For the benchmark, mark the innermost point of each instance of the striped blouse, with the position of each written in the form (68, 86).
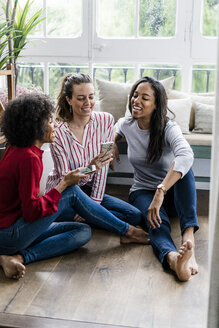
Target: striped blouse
(69, 154)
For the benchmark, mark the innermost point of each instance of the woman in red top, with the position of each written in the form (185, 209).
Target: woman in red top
(34, 228)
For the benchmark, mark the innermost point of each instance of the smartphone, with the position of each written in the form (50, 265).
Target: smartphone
(88, 169)
(107, 147)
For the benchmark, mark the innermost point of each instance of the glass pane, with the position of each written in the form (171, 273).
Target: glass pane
(31, 75)
(157, 18)
(203, 78)
(64, 18)
(116, 73)
(161, 72)
(58, 71)
(115, 18)
(210, 17)
(34, 7)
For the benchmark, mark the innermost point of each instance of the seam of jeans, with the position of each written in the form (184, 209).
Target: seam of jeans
(125, 228)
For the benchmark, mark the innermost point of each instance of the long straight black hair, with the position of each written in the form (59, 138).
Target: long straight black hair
(158, 119)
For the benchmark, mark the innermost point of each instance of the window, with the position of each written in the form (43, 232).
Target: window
(57, 71)
(64, 18)
(210, 17)
(157, 18)
(130, 18)
(123, 13)
(122, 40)
(31, 75)
(203, 78)
(161, 72)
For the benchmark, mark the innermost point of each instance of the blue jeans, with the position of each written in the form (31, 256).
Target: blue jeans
(121, 209)
(180, 200)
(45, 237)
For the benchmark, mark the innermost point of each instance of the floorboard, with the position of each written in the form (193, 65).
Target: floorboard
(105, 284)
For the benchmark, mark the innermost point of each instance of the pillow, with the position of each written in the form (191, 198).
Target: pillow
(175, 94)
(182, 109)
(204, 98)
(113, 95)
(203, 117)
(127, 111)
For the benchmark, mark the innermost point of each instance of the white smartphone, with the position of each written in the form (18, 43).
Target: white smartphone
(107, 147)
(88, 169)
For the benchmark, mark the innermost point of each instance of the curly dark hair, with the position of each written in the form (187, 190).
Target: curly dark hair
(64, 111)
(25, 117)
(158, 119)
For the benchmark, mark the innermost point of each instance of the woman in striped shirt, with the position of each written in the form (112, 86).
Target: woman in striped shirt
(78, 139)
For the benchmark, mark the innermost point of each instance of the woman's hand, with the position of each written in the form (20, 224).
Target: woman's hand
(74, 177)
(71, 178)
(101, 160)
(153, 217)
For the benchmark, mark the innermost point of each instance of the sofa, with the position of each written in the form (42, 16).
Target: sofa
(193, 112)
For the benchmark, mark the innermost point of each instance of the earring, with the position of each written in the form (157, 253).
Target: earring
(70, 109)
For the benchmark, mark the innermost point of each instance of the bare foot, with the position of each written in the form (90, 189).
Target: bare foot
(78, 218)
(13, 266)
(189, 235)
(193, 266)
(135, 235)
(180, 262)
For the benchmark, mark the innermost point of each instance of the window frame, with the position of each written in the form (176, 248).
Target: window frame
(187, 48)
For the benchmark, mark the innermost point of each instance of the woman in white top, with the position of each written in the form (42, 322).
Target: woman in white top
(78, 138)
(164, 184)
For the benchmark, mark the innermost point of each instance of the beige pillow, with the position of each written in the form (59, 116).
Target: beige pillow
(127, 111)
(113, 95)
(209, 100)
(204, 98)
(175, 94)
(182, 109)
(203, 117)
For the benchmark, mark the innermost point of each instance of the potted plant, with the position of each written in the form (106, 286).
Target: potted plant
(5, 33)
(19, 26)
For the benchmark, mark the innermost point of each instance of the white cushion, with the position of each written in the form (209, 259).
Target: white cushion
(204, 98)
(113, 95)
(203, 117)
(182, 109)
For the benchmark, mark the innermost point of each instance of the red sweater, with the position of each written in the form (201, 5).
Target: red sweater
(20, 173)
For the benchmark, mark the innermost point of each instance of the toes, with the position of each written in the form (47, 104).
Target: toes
(194, 271)
(182, 250)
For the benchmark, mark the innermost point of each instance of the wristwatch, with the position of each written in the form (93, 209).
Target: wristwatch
(162, 187)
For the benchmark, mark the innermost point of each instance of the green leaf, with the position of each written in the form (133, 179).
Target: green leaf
(22, 28)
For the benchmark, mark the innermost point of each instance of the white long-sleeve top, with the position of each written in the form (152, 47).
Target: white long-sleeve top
(69, 154)
(175, 149)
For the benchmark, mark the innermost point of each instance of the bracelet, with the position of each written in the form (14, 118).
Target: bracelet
(162, 187)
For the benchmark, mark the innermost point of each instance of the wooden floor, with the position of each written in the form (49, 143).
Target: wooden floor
(105, 284)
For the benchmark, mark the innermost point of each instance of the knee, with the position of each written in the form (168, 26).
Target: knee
(135, 216)
(139, 215)
(85, 233)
